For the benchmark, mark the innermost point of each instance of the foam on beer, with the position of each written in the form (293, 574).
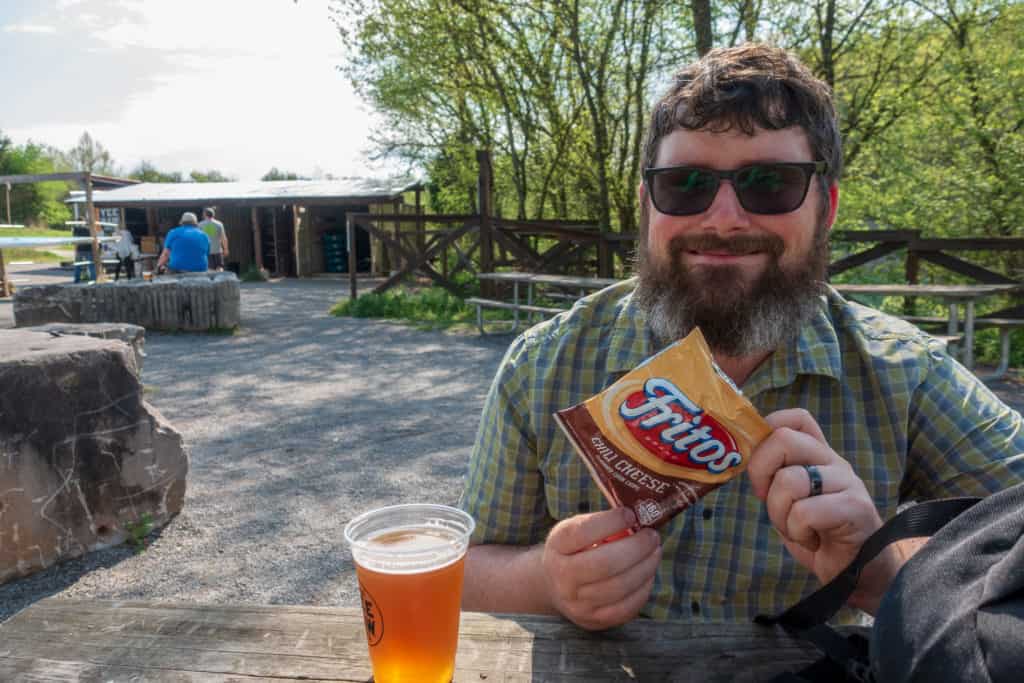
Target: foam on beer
(410, 549)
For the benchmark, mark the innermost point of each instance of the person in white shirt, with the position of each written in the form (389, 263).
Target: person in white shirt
(127, 253)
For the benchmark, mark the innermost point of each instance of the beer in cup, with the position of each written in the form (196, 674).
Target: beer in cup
(409, 561)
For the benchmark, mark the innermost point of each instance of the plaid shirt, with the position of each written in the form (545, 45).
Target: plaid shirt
(913, 423)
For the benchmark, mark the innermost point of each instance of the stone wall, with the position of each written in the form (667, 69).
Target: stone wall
(82, 457)
(193, 302)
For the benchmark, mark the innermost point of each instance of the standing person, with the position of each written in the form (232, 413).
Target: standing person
(214, 230)
(740, 190)
(186, 248)
(127, 253)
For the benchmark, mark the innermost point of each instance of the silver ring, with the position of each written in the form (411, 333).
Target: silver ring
(816, 483)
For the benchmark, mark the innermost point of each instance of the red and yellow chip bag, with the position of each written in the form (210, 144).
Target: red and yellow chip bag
(670, 431)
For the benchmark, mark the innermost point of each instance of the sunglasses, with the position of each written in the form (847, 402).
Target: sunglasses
(770, 188)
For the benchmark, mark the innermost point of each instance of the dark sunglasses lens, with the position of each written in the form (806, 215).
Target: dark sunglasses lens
(771, 188)
(683, 191)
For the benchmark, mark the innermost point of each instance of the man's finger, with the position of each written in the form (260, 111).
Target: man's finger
(579, 533)
(606, 560)
(617, 587)
(792, 484)
(785, 447)
(796, 419)
(841, 516)
(626, 609)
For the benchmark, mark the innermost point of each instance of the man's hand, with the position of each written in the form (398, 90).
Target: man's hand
(600, 585)
(822, 532)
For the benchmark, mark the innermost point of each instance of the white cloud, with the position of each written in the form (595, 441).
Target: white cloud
(29, 28)
(246, 86)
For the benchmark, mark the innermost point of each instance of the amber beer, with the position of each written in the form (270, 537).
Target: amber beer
(409, 561)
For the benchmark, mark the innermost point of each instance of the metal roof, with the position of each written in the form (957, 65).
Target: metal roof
(285, 191)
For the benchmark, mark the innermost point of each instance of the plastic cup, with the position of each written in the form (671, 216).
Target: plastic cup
(409, 561)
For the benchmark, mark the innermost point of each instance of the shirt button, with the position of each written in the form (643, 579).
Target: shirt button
(694, 607)
(707, 513)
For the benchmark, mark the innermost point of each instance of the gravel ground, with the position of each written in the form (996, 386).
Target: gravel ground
(295, 424)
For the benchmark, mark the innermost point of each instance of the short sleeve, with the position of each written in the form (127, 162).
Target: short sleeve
(964, 441)
(504, 489)
(172, 236)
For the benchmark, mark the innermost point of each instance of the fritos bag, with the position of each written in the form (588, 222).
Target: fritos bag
(670, 431)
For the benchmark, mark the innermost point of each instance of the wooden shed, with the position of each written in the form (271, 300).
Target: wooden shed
(293, 228)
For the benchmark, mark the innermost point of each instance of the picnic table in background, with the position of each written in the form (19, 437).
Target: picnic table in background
(75, 639)
(563, 287)
(953, 296)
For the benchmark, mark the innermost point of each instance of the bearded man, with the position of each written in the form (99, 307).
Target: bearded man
(739, 193)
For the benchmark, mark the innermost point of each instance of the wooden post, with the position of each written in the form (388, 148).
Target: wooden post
(7, 191)
(122, 221)
(277, 248)
(911, 268)
(5, 286)
(301, 257)
(421, 235)
(90, 217)
(350, 239)
(483, 194)
(257, 242)
(396, 258)
(152, 225)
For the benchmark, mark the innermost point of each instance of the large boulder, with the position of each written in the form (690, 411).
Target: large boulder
(83, 459)
(132, 335)
(196, 302)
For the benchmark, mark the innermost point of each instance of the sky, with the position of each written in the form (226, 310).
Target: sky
(233, 85)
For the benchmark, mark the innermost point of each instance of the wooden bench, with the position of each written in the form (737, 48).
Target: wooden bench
(1004, 325)
(481, 304)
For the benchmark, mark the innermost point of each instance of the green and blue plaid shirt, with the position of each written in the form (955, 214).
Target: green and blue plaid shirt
(914, 424)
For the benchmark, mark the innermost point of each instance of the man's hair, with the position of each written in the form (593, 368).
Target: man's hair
(208, 212)
(188, 218)
(745, 87)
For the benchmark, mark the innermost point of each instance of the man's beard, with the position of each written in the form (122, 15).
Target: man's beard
(738, 317)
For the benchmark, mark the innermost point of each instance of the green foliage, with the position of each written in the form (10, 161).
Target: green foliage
(211, 176)
(432, 308)
(254, 274)
(147, 172)
(137, 532)
(276, 174)
(89, 155)
(32, 203)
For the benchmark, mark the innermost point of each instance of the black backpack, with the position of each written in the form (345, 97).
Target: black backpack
(955, 611)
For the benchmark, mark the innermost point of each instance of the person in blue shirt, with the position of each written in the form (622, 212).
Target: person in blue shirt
(186, 248)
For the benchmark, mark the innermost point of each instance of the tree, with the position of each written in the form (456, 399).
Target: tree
(89, 155)
(32, 203)
(276, 174)
(211, 176)
(147, 172)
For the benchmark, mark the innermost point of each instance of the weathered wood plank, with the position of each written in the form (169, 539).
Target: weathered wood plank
(86, 640)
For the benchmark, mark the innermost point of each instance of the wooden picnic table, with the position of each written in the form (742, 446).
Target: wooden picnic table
(101, 640)
(952, 295)
(580, 284)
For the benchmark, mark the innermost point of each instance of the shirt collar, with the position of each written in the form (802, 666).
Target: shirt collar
(816, 351)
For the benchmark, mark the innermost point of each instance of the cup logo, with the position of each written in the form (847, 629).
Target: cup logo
(676, 430)
(372, 617)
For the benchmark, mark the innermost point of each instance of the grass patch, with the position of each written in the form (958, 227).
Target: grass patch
(33, 232)
(430, 308)
(30, 254)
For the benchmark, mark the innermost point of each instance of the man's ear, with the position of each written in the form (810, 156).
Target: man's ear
(833, 204)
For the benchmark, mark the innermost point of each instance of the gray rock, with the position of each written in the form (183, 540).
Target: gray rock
(189, 302)
(132, 335)
(82, 457)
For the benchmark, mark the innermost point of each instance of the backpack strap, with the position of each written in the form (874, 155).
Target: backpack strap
(807, 618)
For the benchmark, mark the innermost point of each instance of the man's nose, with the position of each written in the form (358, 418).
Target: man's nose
(726, 212)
